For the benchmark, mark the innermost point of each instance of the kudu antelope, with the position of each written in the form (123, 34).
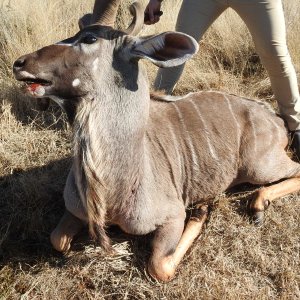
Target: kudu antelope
(139, 162)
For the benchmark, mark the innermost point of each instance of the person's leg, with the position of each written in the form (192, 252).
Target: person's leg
(265, 20)
(195, 16)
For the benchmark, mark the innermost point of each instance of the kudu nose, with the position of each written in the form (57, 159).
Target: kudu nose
(19, 63)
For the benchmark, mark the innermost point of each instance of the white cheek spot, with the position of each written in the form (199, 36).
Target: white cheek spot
(95, 64)
(76, 82)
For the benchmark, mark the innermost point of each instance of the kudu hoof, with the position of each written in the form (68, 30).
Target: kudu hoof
(258, 211)
(258, 218)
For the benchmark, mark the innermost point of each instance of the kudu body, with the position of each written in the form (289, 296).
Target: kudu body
(140, 162)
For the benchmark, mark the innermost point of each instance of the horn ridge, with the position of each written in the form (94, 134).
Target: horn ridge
(137, 11)
(105, 12)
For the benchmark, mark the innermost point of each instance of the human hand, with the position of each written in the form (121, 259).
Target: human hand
(153, 12)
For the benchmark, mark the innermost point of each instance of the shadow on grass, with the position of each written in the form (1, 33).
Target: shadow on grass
(31, 205)
(241, 196)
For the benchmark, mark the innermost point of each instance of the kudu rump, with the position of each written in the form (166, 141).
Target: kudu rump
(140, 162)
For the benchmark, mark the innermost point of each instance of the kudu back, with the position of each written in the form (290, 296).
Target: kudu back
(139, 162)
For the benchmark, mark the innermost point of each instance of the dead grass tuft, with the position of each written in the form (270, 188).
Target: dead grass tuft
(231, 259)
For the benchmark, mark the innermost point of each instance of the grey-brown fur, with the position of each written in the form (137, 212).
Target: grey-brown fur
(140, 163)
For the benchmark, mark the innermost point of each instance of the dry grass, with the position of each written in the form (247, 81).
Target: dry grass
(231, 259)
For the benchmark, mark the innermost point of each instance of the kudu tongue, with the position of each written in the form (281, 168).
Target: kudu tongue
(33, 86)
(36, 89)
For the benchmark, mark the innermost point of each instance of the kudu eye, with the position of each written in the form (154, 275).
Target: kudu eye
(88, 39)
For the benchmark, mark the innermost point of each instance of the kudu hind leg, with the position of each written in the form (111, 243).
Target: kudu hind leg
(266, 195)
(162, 265)
(62, 236)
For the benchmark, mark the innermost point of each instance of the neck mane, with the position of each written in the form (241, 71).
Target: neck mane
(109, 134)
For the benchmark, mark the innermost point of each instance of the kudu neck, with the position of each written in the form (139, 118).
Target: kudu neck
(109, 132)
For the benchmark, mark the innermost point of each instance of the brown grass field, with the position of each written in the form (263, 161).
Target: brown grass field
(232, 259)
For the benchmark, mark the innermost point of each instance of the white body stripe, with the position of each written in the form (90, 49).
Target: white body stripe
(176, 149)
(170, 98)
(239, 131)
(191, 146)
(207, 134)
(253, 132)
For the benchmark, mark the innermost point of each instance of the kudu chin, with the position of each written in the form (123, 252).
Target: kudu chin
(139, 162)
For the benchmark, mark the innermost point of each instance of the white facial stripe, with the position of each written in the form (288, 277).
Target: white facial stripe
(76, 82)
(64, 44)
(27, 75)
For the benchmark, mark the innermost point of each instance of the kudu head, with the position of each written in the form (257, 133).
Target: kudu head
(72, 68)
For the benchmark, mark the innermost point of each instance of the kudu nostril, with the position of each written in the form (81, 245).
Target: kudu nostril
(19, 63)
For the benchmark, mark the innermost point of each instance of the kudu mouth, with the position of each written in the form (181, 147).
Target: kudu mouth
(36, 81)
(34, 85)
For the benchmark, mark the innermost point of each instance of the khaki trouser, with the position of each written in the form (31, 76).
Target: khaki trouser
(265, 21)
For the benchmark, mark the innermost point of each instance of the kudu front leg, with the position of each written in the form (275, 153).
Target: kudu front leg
(62, 236)
(170, 245)
(263, 197)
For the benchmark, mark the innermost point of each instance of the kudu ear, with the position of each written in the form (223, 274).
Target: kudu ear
(165, 50)
(85, 21)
